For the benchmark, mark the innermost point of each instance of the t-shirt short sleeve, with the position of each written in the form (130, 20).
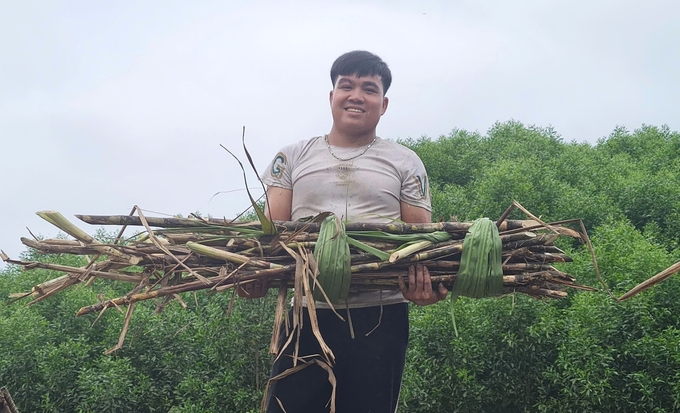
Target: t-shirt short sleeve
(415, 188)
(278, 173)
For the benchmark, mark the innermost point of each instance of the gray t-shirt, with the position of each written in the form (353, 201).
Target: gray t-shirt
(368, 188)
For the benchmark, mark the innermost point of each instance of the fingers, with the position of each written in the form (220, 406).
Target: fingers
(241, 292)
(408, 292)
(245, 290)
(420, 280)
(427, 282)
(412, 278)
(443, 292)
(419, 289)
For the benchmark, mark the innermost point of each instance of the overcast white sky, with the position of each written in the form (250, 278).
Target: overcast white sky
(106, 105)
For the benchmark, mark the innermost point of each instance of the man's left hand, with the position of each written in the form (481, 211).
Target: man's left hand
(419, 290)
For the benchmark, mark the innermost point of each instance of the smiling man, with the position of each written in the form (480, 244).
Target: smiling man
(362, 178)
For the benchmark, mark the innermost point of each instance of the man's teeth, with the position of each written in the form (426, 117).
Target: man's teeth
(355, 110)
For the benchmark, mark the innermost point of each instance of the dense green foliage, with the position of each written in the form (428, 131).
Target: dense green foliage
(193, 360)
(584, 353)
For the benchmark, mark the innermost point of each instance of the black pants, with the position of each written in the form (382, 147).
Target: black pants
(368, 369)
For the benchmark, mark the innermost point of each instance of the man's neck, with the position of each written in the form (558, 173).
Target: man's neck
(337, 138)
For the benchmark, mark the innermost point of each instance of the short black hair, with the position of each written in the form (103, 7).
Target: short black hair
(361, 63)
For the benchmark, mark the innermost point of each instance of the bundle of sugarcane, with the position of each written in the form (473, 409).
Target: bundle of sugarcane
(189, 254)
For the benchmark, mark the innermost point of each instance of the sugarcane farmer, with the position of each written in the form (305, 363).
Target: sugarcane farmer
(362, 178)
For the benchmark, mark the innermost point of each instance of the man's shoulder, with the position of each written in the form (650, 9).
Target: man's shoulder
(397, 149)
(296, 151)
(287, 159)
(301, 144)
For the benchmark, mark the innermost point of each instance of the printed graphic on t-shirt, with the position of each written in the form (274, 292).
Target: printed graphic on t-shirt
(422, 185)
(278, 165)
(344, 174)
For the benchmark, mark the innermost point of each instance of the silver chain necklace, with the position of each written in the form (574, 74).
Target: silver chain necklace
(353, 157)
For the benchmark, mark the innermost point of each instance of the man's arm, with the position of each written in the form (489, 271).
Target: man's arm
(279, 205)
(415, 215)
(278, 208)
(419, 290)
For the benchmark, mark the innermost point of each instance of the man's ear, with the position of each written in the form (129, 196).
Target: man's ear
(330, 98)
(386, 101)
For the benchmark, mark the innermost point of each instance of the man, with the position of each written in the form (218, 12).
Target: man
(361, 178)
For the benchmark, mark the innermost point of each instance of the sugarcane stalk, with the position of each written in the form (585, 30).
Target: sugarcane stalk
(546, 248)
(518, 236)
(409, 250)
(77, 249)
(395, 228)
(58, 220)
(205, 239)
(673, 269)
(57, 241)
(542, 239)
(155, 221)
(28, 265)
(186, 287)
(241, 243)
(455, 247)
(541, 292)
(229, 256)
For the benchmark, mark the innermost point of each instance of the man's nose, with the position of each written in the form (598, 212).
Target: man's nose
(357, 95)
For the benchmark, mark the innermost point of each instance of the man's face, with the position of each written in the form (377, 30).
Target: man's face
(357, 103)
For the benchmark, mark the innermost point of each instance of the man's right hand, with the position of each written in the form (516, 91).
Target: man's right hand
(253, 289)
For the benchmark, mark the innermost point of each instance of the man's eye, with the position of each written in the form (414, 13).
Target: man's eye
(371, 91)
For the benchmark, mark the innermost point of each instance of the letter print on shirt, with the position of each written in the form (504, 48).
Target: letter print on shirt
(422, 185)
(278, 165)
(344, 174)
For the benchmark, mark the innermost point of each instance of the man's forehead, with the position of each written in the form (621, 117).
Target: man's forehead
(377, 79)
